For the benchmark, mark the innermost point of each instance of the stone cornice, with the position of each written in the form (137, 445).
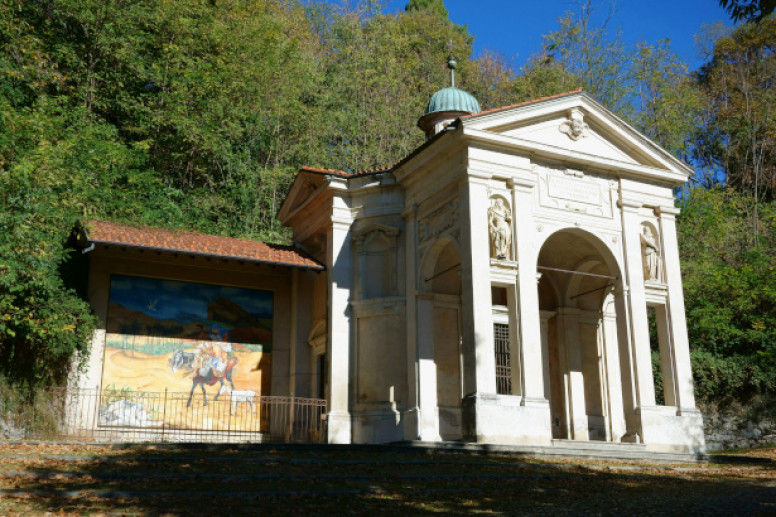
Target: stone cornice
(578, 159)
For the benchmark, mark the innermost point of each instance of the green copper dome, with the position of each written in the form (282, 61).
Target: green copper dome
(452, 99)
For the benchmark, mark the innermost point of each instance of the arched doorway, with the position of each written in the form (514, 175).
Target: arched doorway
(585, 332)
(442, 285)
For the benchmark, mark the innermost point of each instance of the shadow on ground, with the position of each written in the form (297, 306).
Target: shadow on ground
(314, 480)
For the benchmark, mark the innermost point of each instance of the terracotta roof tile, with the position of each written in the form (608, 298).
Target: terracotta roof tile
(344, 174)
(525, 103)
(105, 232)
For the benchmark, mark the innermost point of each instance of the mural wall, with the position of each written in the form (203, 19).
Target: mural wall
(184, 337)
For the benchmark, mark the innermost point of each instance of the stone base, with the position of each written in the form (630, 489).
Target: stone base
(379, 426)
(339, 427)
(665, 428)
(505, 419)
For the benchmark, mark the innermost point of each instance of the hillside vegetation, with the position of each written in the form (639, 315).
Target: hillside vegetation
(194, 114)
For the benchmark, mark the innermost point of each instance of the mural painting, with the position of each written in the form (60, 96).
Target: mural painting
(205, 348)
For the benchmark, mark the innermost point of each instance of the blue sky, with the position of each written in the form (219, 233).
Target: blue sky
(515, 27)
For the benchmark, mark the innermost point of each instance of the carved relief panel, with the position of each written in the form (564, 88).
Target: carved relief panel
(442, 220)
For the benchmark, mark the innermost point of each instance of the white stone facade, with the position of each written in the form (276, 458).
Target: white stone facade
(524, 226)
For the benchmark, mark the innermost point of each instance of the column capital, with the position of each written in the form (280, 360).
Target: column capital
(521, 185)
(667, 211)
(629, 205)
(477, 176)
(410, 212)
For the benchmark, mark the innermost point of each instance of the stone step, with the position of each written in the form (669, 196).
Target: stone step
(568, 449)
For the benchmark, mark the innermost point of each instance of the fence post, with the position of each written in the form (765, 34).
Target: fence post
(164, 413)
(290, 423)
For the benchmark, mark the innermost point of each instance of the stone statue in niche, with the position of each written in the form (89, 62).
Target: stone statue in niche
(650, 255)
(500, 226)
(575, 127)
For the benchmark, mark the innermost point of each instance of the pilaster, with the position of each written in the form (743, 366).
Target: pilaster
(676, 323)
(531, 353)
(338, 264)
(479, 355)
(637, 305)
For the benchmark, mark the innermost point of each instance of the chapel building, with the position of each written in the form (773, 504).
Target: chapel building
(494, 286)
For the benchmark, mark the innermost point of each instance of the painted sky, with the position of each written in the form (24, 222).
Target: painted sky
(515, 27)
(183, 301)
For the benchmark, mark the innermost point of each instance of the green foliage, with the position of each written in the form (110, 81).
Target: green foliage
(723, 379)
(730, 290)
(543, 76)
(749, 10)
(437, 7)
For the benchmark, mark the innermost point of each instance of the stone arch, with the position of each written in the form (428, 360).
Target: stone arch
(439, 266)
(586, 331)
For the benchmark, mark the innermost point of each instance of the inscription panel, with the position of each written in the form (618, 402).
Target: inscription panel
(574, 191)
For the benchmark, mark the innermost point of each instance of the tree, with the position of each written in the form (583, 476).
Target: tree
(589, 52)
(542, 76)
(748, 10)
(667, 102)
(740, 133)
(729, 281)
(436, 7)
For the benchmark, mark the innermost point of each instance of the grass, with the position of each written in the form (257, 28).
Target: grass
(272, 480)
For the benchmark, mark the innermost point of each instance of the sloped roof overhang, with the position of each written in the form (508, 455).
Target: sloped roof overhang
(93, 232)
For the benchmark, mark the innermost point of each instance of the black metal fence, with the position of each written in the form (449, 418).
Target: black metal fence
(82, 414)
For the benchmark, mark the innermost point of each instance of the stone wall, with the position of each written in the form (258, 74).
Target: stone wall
(726, 430)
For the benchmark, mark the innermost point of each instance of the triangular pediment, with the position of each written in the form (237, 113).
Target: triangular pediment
(303, 189)
(576, 123)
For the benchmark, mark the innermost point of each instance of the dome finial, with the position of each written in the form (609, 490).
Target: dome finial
(451, 64)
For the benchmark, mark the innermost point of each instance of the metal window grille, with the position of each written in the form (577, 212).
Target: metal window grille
(503, 363)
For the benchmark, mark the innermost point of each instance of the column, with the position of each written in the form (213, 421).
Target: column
(479, 353)
(666, 355)
(611, 355)
(428, 411)
(637, 304)
(544, 321)
(571, 361)
(514, 340)
(677, 325)
(339, 265)
(528, 296)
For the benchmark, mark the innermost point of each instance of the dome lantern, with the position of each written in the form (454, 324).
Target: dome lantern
(446, 105)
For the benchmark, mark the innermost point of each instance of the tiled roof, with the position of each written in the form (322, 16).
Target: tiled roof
(116, 234)
(525, 103)
(345, 174)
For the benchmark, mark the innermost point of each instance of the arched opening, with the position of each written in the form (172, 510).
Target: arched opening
(588, 366)
(442, 281)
